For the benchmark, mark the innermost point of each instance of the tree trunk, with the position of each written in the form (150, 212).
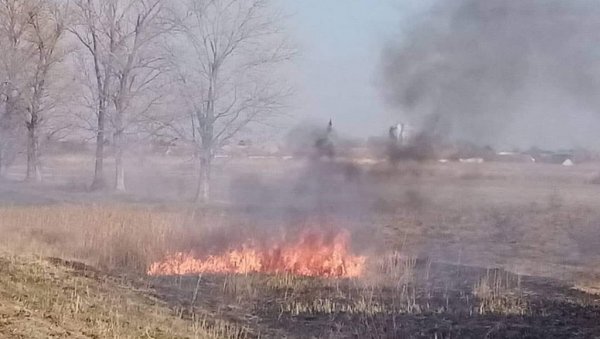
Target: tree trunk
(203, 194)
(119, 169)
(206, 125)
(33, 164)
(99, 180)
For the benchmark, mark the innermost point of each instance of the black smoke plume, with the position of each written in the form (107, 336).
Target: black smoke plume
(499, 71)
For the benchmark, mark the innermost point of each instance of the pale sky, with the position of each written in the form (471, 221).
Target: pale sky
(339, 45)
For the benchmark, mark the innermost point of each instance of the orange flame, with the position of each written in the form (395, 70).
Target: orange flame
(312, 255)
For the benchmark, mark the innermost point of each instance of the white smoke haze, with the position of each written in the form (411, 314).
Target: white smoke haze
(499, 72)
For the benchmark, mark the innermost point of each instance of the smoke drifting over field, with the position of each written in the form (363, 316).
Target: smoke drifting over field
(501, 72)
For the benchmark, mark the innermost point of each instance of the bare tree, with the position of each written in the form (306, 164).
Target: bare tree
(47, 27)
(120, 36)
(225, 61)
(10, 129)
(137, 67)
(31, 32)
(12, 43)
(94, 26)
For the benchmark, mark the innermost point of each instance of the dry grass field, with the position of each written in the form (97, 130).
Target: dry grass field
(52, 298)
(453, 250)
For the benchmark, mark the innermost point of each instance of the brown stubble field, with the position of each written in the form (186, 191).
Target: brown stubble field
(463, 250)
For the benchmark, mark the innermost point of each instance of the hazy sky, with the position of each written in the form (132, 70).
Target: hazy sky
(339, 45)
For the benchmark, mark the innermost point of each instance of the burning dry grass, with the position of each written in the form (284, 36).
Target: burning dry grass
(395, 293)
(152, 240)
(112, 237)
(314, 253)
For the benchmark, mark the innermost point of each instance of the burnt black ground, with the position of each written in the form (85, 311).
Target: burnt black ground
(444, 305)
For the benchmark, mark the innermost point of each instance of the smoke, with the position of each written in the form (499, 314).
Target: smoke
(319, 185)
(500, 72)
(303, 138)
(316, 189)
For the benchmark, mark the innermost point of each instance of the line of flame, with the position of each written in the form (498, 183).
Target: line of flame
(313, 255)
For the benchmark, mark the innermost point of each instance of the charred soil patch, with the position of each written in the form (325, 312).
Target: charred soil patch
(407, 298)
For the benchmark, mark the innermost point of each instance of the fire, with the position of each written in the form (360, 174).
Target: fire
(313, 254)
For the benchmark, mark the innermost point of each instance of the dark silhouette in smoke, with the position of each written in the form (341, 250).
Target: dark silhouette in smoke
(473, 69)
(324, 145)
